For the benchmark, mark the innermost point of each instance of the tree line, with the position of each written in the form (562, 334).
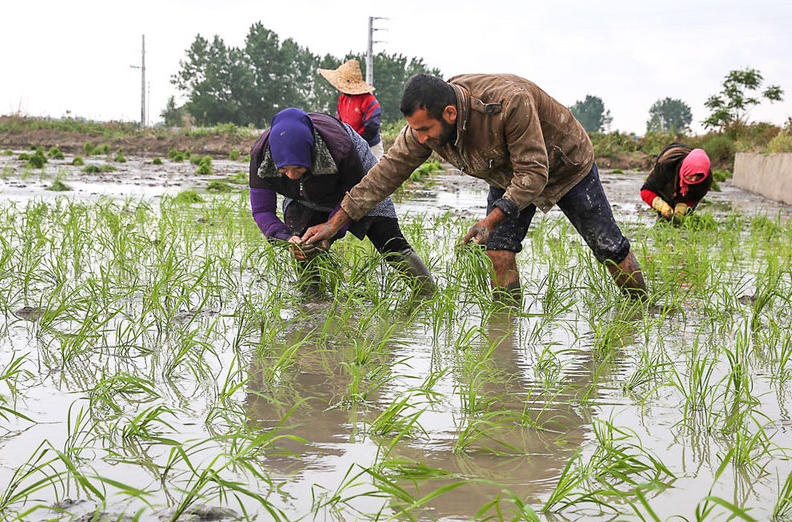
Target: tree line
(250, 84)
(740, 91)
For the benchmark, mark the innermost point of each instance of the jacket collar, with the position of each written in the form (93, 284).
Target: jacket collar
(463, 109)
(322, 162)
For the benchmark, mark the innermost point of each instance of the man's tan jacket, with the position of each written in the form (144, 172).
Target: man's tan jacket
(509, 132)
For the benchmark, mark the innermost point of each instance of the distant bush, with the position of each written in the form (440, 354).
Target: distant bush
(234, 155)
(55, 153)
(156, 161)
(782, 142)
(204, 166)
(720, 148)
(78, 161)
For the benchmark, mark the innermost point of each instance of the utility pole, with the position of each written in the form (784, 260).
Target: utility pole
(142, 68)
(143, 82)
(370, 49)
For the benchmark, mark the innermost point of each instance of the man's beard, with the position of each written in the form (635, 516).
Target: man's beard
(448, 133)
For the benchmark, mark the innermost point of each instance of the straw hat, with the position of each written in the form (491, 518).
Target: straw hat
(347, 78)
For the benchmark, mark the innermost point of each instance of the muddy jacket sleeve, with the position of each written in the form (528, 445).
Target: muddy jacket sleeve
(384, 178)
(526, 146)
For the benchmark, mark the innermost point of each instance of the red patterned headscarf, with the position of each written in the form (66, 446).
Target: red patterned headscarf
(694, 169)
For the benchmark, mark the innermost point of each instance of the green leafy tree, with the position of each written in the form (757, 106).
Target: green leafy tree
(729, 108)
(172, 115)
(249, 85)
(591, 113)
(668, 114)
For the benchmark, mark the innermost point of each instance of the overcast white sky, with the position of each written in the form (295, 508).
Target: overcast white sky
(75, 56)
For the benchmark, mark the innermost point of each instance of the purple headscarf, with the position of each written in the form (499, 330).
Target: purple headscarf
(291, 138)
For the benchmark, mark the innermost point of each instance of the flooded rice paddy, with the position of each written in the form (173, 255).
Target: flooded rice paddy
(160, 361)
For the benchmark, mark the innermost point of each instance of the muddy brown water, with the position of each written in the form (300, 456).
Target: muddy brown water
(329, 436)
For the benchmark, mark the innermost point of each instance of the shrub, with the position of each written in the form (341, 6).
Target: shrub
(78, 161)
(156, 161)
(234, 155)
(204, 166)
(119, 158)
(102, 149)
(781, 143)
(720, 149)
(89, 149)
(55, 153)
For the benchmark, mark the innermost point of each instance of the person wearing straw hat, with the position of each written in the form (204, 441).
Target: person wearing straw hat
(529, 148)
(679, 180)
(357, 107)
(313, 160)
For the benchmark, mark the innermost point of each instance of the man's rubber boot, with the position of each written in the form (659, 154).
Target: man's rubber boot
(410, 263)
(628, 277)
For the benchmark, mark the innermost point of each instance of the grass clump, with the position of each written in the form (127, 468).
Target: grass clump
(204, 166)
(218, 185)
(96, 169)
(58, 186)
(55, 153)
(8, 153)
(178, 156)
(781, 143)
(187, 197)
(78, 161)
(156, 161)
(119, 158)
(234, 155)
(240, 178)
(36, 160)
(424, 171)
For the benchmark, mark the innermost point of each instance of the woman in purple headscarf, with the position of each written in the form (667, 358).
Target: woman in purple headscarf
(313, 160)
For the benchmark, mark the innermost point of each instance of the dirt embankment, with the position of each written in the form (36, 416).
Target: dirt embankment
(142, 145)
(150, 144)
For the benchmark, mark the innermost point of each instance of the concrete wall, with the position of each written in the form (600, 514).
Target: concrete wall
(769, 175)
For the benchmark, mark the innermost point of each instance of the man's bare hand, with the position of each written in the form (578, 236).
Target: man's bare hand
(300, 250)
(318, 233)
(479, 233)
(326, 231)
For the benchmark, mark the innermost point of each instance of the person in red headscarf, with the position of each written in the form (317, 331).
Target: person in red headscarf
(681, 177)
